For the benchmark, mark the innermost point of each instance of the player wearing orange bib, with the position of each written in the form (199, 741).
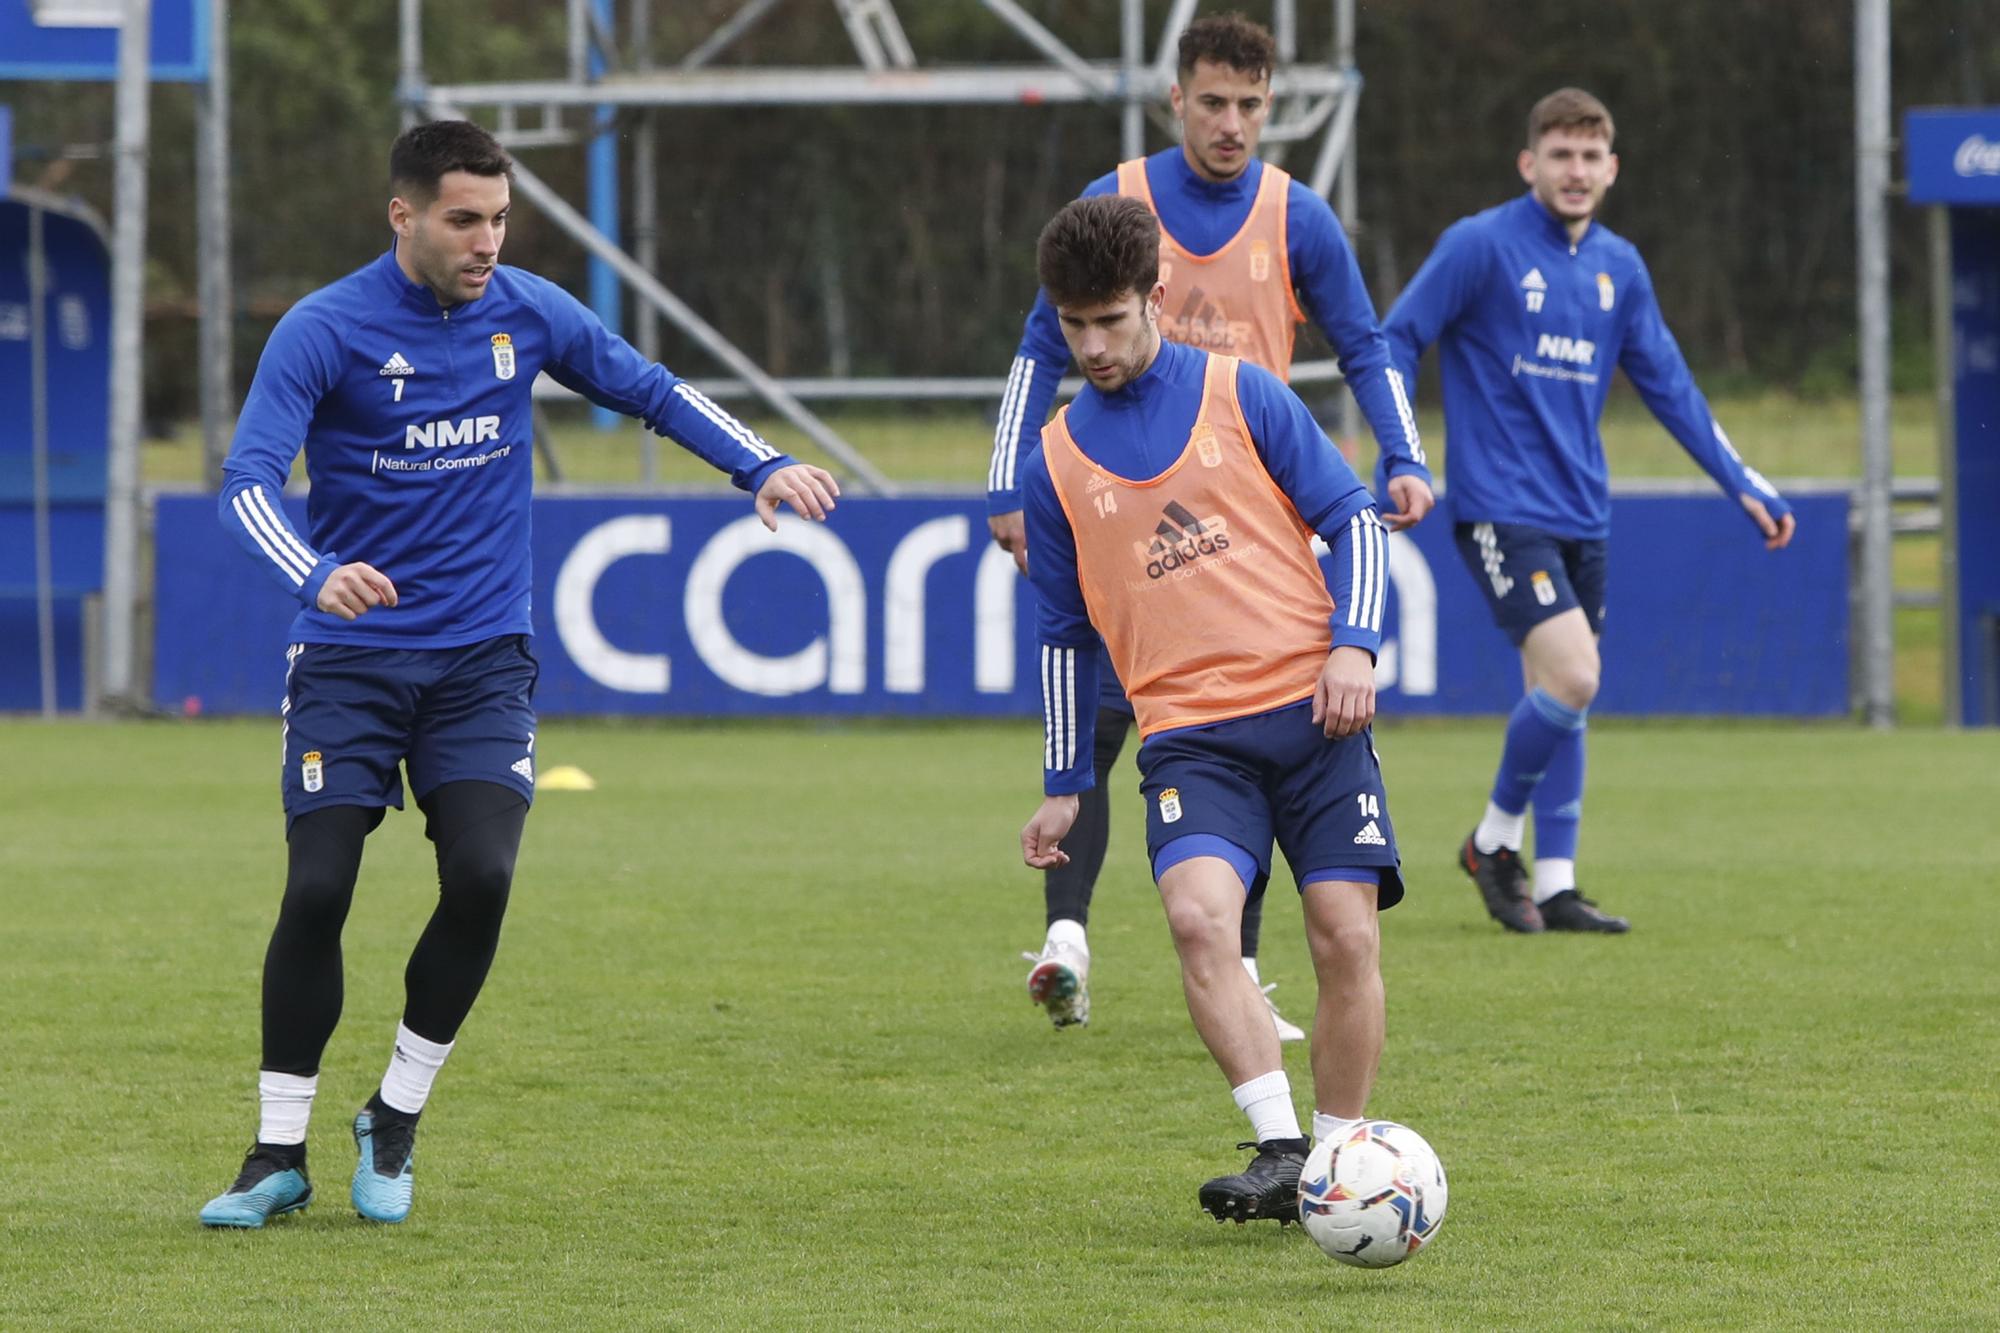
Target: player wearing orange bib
(1246, 255)
(1171, 510)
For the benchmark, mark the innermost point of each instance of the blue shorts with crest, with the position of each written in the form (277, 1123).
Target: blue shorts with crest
(353, 714)
(1529, 575)
(1273, 777)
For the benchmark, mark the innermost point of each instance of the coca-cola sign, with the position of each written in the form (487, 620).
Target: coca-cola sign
(1977, 157)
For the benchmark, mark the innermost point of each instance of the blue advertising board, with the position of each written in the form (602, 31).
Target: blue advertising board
(76, 319)
(42, 50)
(1953, 156)
(688, 607)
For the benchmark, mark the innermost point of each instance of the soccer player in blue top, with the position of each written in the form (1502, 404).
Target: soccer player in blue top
(1246, 254)
(1532, 305)
(408, 384)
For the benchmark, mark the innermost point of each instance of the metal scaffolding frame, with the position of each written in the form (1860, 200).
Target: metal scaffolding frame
(1314, 100)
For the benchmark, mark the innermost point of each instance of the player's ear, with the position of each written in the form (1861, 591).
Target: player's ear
(1611, 177)
(1176, 99)
(1156, 301)
(402, 218)
(1525, 164)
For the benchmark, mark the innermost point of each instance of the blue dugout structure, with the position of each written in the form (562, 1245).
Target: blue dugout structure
(52, 457)
(1953, 162)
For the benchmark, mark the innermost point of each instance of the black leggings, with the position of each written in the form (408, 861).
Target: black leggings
(1066, 890)
(476, 827)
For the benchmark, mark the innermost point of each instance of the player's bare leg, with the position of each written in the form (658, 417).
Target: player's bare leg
(1346, 943)
(1204, 901)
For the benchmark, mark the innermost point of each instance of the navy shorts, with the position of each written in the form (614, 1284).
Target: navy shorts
(1529, 575)
(353, 714)
(1273, 776)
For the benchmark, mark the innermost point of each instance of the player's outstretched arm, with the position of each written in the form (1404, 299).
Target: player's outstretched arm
(1049, 826)
(354, 589)
(807, 490)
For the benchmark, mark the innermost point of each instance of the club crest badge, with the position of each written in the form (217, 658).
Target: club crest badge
(1544, 587)
(1606, 293)
(1260, 261)
(1170, 805)
(1206, 447)
(503, 357)
(312, 771)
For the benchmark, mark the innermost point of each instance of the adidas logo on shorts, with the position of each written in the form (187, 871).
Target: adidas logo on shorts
(526, 768)
(1370, 836)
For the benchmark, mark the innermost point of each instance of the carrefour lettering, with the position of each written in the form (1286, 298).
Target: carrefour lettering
(836, 658)
(446, 434)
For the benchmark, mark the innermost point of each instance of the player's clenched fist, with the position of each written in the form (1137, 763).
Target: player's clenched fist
(353, 589)
(808, 490)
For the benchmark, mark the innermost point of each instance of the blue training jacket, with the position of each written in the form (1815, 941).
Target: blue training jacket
(1529, 328)
(1203, 216)
(416, 424)
(1138, 432)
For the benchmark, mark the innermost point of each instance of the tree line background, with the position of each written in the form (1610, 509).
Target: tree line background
(900, 240)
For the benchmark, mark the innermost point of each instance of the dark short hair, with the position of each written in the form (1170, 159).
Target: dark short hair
(422, 155)
(1232, 40)
(1569, 109)
(1098, 249)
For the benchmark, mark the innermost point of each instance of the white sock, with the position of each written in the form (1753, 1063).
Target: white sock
(1553, 875)
(407, 1085)
(1267, 1100)
(286, 1102)
(1250, 966)
(1499, 829)
(1066, 931)
(1331, 1126)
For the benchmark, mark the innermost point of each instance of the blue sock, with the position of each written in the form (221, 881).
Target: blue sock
(1559, 800)
(1538, 726)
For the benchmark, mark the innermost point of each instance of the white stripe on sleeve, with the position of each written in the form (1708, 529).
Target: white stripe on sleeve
(1366, 589)
(1007, 435)
(1058, 708)
(724, 422)
(281, 557)
(285, 535)
(1407, 416)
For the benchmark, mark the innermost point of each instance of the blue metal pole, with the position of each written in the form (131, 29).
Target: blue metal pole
(606, 297)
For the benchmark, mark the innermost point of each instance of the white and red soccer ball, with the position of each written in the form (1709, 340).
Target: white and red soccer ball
(1374, 1196)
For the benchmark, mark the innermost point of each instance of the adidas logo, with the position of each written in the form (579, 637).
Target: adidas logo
(1181, 539)
(1098, 482)
(396, 365)
(526, 768)
(1370, 836)
(1534, 282)
(1178, 526)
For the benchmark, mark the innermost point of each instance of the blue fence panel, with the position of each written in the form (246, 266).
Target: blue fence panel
(686, 606)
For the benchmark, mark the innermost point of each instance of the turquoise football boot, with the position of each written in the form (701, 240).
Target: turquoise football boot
(266, 1187)
(382, 1182)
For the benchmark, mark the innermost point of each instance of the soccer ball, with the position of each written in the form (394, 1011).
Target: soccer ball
(1373, 1197)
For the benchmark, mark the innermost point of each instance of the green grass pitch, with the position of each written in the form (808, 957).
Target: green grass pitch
(756, 1053)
